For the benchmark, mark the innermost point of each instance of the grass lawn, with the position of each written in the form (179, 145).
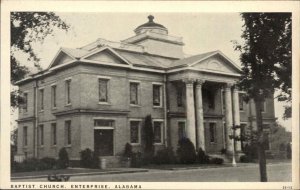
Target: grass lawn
(58, 171)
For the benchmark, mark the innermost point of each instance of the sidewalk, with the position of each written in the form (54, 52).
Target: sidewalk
(74, 172)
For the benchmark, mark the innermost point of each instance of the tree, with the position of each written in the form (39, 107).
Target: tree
(266, 65)
(28, 28)
(149, 139)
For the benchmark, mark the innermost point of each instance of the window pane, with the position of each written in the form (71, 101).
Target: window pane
(133, 93)
(212, 131)
(25, 102)
(53, 96)
(68, 91)
(134, 131)
(179, 96)
(181, 130)
(157, 132)
(25, 135)
(156, 95)
(103, 90)
(41, 134)
(42, 98)
(68, 132)
(53, 133)
(103, 123)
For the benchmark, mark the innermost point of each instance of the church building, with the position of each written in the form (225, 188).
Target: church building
(97, 96)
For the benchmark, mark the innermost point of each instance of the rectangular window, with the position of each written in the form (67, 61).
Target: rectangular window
(264, 106)
(179, 96)
(103, 90)
(212, 132)
(53, 133)
(157, 95)
(42, 99)
(25, 136)
(211, 99)
(181, 130)
(135, 132)
(25, 104)
(68, 137)
(68, 92)
(134, 93)
(157, 129)
(103, 123)
(41, 135)
(53, 95)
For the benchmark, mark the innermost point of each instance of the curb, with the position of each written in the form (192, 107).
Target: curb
(83, 174)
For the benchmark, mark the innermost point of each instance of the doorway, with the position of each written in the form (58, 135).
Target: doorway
(103, 142)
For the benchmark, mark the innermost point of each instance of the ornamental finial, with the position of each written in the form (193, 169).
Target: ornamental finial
(151, 18)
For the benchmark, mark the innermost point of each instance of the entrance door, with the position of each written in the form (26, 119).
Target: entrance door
(103, 139)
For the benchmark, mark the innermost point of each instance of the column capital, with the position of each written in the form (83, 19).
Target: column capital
(200, 82)
(189, 81)
(228, 86)
(235, 88)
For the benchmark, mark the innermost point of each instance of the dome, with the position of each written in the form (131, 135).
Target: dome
(151, 26)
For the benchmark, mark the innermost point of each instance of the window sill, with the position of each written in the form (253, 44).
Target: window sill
(104, 103)
(41, 111)
(68, 146)
(54, 108)
(41, 146)
(157, 107)
(135, 105)
(53, 146)
(67, 105)
(158, 144)
(135, 144)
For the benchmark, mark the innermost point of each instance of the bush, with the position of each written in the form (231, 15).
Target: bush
(88, 159)
(48, 163)
(250, 151)
(63, 158)
(218, 161)
(288, 151)
(245, 159)
(128, 150)
(223, 151)
(165, 156)
(202, 158)
(186, 151)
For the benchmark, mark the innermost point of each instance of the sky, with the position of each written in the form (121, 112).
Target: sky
(201, 32)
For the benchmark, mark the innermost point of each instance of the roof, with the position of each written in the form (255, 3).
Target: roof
(192, 59)
(76, 53)
(151, 23)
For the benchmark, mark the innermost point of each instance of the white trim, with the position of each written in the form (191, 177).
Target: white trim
(157, 83)
(61, 65)
(139, 131)
(104, 128)
(103, 77)
(69, 78)
(217, 52)
(102, 49)
(202, 70)
(147, 69)
(162, 126)
(53, 84)
(57, 54)
(104, 63)
(134, 81)
(104, 118)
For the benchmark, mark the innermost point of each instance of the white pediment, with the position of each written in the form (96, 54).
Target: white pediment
(61, 58)
(105, 56)
(216, 63)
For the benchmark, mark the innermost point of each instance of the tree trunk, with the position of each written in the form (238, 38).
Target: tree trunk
(260, 140)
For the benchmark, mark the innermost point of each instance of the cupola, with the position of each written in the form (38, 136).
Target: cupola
(151, 26)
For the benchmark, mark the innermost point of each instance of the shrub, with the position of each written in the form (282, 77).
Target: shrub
(128, 150)
(245, 159)
(202, 158)
(63, 158)
(48, 163)
(186, 151)
(218, 161)
(250, 151)
(165, 156)
(223, 151)
(88, 159)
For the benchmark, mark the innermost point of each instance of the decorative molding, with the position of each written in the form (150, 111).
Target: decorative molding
(189, 81)
(25, 119)
(91, 111)
(199, 83)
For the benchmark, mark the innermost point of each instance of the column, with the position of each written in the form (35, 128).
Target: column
(190, 110)
(199, 114)
(236, 116)
(228, 117)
